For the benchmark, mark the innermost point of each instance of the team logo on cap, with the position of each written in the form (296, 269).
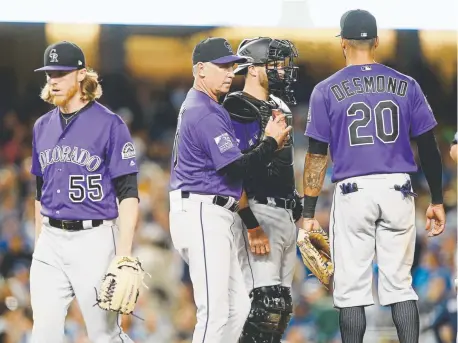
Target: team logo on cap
(53, 56)
(228, 46)
(128, 151)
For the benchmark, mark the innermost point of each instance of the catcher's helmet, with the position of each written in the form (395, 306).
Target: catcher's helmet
(264, 50)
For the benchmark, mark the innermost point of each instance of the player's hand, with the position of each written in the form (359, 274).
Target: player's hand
(309, 224)
(454, 152)
(435, 219)
(277, 129)
(258, 240)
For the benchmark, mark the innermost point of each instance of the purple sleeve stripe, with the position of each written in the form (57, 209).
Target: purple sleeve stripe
(226, 163)
(422, 131)
(316, 136)
(36, 173)
(114, 176)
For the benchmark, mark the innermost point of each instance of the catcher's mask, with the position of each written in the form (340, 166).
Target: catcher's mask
(274, 54)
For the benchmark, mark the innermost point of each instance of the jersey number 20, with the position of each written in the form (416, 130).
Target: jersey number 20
(380, 129)
(81, 187)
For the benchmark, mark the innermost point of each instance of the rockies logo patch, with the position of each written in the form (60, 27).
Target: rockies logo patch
(128, 151)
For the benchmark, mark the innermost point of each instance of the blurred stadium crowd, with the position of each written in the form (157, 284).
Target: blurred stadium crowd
(166, 308)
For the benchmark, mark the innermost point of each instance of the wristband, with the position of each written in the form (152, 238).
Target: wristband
(437, 197)
(309, 206)
(248, 218)
(271, 142)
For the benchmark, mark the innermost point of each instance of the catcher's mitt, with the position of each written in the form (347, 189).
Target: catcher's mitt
(121, 284)
(315, 251)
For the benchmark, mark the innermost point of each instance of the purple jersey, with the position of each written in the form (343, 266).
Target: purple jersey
(247, 134)
(204, 144)
(79, 163)
(367, 114)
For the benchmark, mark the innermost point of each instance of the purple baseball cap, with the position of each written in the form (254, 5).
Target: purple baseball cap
(63, 56)
(215, 50)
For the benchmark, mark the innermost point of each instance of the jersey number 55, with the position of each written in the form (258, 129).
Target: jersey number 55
(81, 187)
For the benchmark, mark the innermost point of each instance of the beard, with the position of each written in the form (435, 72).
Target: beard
(264, 81)
(63, 100)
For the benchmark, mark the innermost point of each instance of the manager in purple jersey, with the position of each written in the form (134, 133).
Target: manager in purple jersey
(367, 114)
(207, 170)
(84, 161)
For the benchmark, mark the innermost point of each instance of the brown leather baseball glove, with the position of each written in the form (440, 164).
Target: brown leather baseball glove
(316, 253)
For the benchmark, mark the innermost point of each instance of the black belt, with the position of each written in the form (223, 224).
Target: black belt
(287, 204)
(219, 200)
(72, 225)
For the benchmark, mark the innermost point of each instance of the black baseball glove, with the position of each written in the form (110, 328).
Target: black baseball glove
(297, 210)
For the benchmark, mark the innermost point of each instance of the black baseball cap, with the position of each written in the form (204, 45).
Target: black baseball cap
(358, 24)
(215, 50)
(63, 56)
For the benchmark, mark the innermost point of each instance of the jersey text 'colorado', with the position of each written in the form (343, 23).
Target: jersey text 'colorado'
(78, 163)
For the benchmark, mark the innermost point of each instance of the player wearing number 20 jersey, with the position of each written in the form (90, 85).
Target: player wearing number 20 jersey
(367, 114)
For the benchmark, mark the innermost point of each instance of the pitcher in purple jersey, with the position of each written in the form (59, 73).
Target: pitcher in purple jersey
(206, 184)
(84, 161)
(367, 114)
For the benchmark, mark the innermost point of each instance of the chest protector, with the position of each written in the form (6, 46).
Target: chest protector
(249, 118)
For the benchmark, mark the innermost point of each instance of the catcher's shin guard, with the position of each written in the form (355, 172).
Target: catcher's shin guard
(286, 315)
(271, 309)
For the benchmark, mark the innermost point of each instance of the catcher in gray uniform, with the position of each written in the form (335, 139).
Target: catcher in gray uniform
(270, 205)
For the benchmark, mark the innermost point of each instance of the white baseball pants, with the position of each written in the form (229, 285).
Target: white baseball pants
(277, 267)
(375, 222)
(66, 265)
(203, 235)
